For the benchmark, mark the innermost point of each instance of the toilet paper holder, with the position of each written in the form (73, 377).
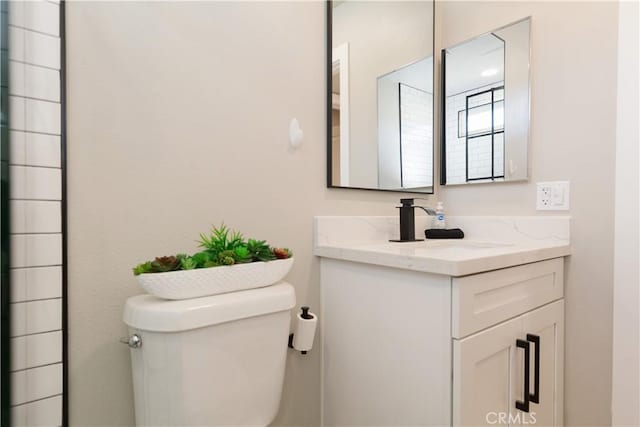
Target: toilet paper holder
(302, 339)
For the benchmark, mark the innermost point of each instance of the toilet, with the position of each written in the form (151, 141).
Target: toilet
(211, 361)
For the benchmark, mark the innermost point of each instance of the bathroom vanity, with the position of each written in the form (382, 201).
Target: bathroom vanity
(442, 332)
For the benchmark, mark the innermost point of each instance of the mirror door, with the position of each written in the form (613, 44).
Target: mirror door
(380, 95)
(485, 107)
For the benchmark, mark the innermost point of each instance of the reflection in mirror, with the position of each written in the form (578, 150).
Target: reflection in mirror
(380, 118)
(486, 107)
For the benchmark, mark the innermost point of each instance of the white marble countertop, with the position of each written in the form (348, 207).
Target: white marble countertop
(490, 243)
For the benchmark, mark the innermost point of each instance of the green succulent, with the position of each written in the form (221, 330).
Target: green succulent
(201, 259)
(188, 263)
(241, 254)
(226, 257)
(259, 250)
(142, 268)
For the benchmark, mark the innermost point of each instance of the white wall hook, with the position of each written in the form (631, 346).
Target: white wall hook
(296, 135)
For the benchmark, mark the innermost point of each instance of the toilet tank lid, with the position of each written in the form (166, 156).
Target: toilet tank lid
(149, 313)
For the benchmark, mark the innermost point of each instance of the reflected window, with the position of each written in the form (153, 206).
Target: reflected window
(481, 124)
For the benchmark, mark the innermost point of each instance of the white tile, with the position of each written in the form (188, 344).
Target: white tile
(36, 383)
(17, 113)
(34, 48)
(42, 116)
(42, 16)
(33, 81)
(18, 319)
(43, 150)
(34, 216)
(36, 283)
(18, 218)
(42, 49)
(46, 412)
(16, 13)
(16, 43)
(16, 78)
(17, 147)
(19, 416)
(42, 83)
(36, 316)
(34, 149)
(35, 183)
(31, 351)
(36, 250)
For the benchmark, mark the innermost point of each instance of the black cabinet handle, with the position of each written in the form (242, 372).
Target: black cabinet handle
(535, 397)
(524, 405)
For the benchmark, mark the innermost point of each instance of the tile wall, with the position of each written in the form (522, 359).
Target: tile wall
(416, 130)
(36, 215)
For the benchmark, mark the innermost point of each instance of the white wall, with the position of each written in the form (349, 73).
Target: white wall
(626, 302)
(178, 118)
(573, 119)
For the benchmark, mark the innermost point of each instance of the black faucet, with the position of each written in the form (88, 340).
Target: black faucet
(408, 220)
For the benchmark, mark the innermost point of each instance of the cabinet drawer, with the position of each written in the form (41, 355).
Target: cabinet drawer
(483, 300)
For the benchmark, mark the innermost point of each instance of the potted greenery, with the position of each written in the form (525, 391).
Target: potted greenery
(227, 263)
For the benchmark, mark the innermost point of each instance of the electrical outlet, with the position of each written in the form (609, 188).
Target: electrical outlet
(553, 196)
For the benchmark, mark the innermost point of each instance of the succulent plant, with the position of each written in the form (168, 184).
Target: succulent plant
(221, 239)
(226, 257)
(142, 268)
(282, 253)
(259, 250)
(165, 263)
(201, 259)
(188, 263)
(241, 254)
(221, 246)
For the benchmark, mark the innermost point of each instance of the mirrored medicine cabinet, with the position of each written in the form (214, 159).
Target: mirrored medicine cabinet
(380, 100)
(380, 95)
(485, 107)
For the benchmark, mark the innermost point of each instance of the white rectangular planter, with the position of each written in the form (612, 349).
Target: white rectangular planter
(201, 282)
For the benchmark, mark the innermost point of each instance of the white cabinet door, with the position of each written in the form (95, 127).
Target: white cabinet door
(486, 375)
(489, 374)
(546, 326)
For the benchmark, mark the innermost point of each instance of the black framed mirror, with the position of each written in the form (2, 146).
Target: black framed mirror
(485, 107)
(380, 103)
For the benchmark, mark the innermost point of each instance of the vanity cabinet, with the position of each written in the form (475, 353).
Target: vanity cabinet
(489, 371)
(404, 347)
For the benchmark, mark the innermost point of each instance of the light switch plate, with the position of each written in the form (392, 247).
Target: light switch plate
(553, 196)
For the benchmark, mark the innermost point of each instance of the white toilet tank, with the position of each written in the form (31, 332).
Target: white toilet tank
(212, 361)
